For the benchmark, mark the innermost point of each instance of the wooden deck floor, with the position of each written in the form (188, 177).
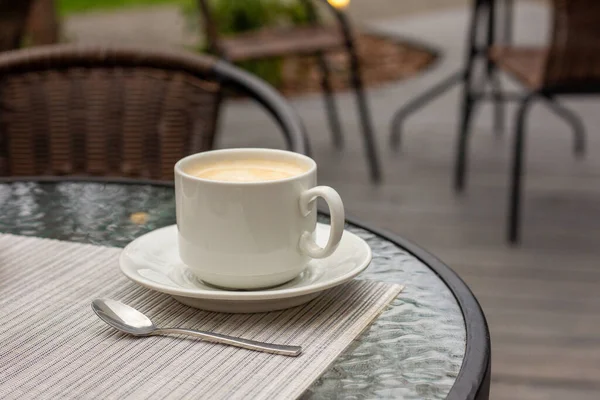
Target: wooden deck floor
(541, 298)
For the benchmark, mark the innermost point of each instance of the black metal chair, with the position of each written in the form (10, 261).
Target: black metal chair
(570, 65)
(484, 18)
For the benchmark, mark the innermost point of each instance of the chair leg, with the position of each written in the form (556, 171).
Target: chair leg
(492, 74)
(516, 177)
(420, 101)
(469, 100)
(365, 116)
(508, 22)
(332, 113)
(467, 108)
(499, 108)
(572, 119)
(468, 105)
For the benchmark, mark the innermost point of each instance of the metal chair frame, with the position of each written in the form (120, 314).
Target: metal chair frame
(484, 17)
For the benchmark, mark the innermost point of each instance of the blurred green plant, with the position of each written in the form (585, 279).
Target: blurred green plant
(66, 7)
(231, 17)
(237, 16)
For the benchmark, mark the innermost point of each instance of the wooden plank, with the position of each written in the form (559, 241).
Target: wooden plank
(563, 271)
(567, 365)
(511, 301)
(501, 258)
(509, 338)
(501, 390)
(543, 323)
(535, 289)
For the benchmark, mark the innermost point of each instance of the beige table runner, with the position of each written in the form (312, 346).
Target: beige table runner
(53, 346)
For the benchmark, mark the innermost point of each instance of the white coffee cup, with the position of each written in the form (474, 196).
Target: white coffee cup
(251, 235)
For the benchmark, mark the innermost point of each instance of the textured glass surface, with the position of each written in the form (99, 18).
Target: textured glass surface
(413, 351)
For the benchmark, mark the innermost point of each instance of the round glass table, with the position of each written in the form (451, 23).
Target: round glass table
(431, 343)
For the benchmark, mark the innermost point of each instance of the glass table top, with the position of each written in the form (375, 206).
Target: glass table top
(413, 351)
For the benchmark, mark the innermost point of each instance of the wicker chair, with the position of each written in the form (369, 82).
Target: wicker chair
(315, 39)
(68, 110)
(569, 65)
(13, 22)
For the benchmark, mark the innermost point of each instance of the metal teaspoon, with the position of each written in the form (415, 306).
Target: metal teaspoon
(129, 320)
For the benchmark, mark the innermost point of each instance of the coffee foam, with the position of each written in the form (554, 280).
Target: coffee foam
(248, 170)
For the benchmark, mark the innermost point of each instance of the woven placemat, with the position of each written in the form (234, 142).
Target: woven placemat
(53, 346)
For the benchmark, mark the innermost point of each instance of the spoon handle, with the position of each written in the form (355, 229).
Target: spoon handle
(284, 350)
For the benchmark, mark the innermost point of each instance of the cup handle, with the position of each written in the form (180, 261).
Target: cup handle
(336, 209)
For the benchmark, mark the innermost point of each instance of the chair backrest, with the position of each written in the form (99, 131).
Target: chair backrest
(574, 53)
(13, 21)
(67, 110)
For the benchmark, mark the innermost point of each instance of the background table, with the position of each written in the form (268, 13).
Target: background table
(433, 341)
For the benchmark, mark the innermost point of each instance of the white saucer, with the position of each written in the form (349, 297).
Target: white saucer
(152, 260)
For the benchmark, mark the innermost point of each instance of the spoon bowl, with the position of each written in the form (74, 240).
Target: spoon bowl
(123, 317)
